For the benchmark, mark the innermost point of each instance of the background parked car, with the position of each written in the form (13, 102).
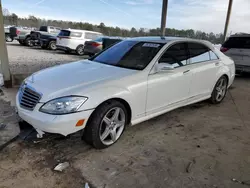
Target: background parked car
(43, 32)
(238, 48)
(97, 45)
(48, 42)
(70, 40)
(23, 34)
(8, 36)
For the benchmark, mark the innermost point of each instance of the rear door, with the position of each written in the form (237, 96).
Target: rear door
(70, 39)
(62, 38)
(204, 65)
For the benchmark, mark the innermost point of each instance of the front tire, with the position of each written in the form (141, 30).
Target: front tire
(106, 124)
(220, 90)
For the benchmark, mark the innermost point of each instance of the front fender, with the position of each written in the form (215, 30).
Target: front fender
(98, 96)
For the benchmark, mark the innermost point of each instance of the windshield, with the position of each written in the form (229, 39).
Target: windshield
(129, 54)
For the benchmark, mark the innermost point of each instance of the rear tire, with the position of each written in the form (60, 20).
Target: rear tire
(80, 50)
(220, 90)
(52, 45)
(28, 42)
(95, 130)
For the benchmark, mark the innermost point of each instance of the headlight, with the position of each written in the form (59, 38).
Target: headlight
(64, 105)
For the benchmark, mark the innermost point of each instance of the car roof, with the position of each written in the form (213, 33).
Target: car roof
(163, 40)
(78, 30)
(240, 35)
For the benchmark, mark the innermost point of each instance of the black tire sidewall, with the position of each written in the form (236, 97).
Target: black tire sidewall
(78, 47)
(91, 132)
(214, 93)
(27, 40)
(50, 44)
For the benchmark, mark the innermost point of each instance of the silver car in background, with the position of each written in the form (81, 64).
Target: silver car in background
(238, 48)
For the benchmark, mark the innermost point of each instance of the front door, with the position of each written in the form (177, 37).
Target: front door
(167, 88)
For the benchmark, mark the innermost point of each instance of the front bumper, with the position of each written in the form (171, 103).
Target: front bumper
(60, 124)
(91, 50)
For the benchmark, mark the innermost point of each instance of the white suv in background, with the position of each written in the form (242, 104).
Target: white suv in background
(70, 40)
(238, 48)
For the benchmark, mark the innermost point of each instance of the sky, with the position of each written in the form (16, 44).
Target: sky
(204, 15)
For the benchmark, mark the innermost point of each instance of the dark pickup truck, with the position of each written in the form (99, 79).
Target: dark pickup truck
(45, 37)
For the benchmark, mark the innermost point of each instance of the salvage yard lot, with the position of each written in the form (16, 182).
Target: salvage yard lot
(25, 59)
(198, 146)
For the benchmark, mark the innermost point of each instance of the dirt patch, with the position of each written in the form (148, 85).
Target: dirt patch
(201, 145)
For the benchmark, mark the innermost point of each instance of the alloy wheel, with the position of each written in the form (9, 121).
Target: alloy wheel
(221, 89)
(80, 50)
(112, 126)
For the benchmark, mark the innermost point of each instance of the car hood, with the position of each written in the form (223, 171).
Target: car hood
(73, 78)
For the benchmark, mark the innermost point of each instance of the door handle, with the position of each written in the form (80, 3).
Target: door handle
(185, 72)
(217, 64)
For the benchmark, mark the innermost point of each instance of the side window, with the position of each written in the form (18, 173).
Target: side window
(198, 53)
(176, 55)
(213, 56)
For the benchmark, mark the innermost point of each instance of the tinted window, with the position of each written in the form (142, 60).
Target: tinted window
(75, 34)
(237, 42)
(176, 55)
(43, 28)
(129, 54)
(213, 56)
(198, 52)
(91, 36)
(64, 33)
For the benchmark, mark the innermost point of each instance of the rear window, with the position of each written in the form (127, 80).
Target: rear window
(237, 42)
(66, 33)
(91, 36)
(43, 28)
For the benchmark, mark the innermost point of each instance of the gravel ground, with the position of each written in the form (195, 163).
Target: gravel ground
(198, 146)
(26, 60)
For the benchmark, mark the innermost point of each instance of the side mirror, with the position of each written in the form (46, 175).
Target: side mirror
(161, 67)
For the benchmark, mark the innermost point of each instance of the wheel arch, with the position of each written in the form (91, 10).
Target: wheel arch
(123, 101)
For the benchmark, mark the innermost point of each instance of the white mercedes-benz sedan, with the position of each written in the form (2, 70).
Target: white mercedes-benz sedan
(128, 83)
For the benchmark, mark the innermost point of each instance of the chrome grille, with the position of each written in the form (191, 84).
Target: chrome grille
(28, 98)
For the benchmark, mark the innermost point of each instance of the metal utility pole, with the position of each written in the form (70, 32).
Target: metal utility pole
(227, 19)
(4, 61)
(164, 17)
